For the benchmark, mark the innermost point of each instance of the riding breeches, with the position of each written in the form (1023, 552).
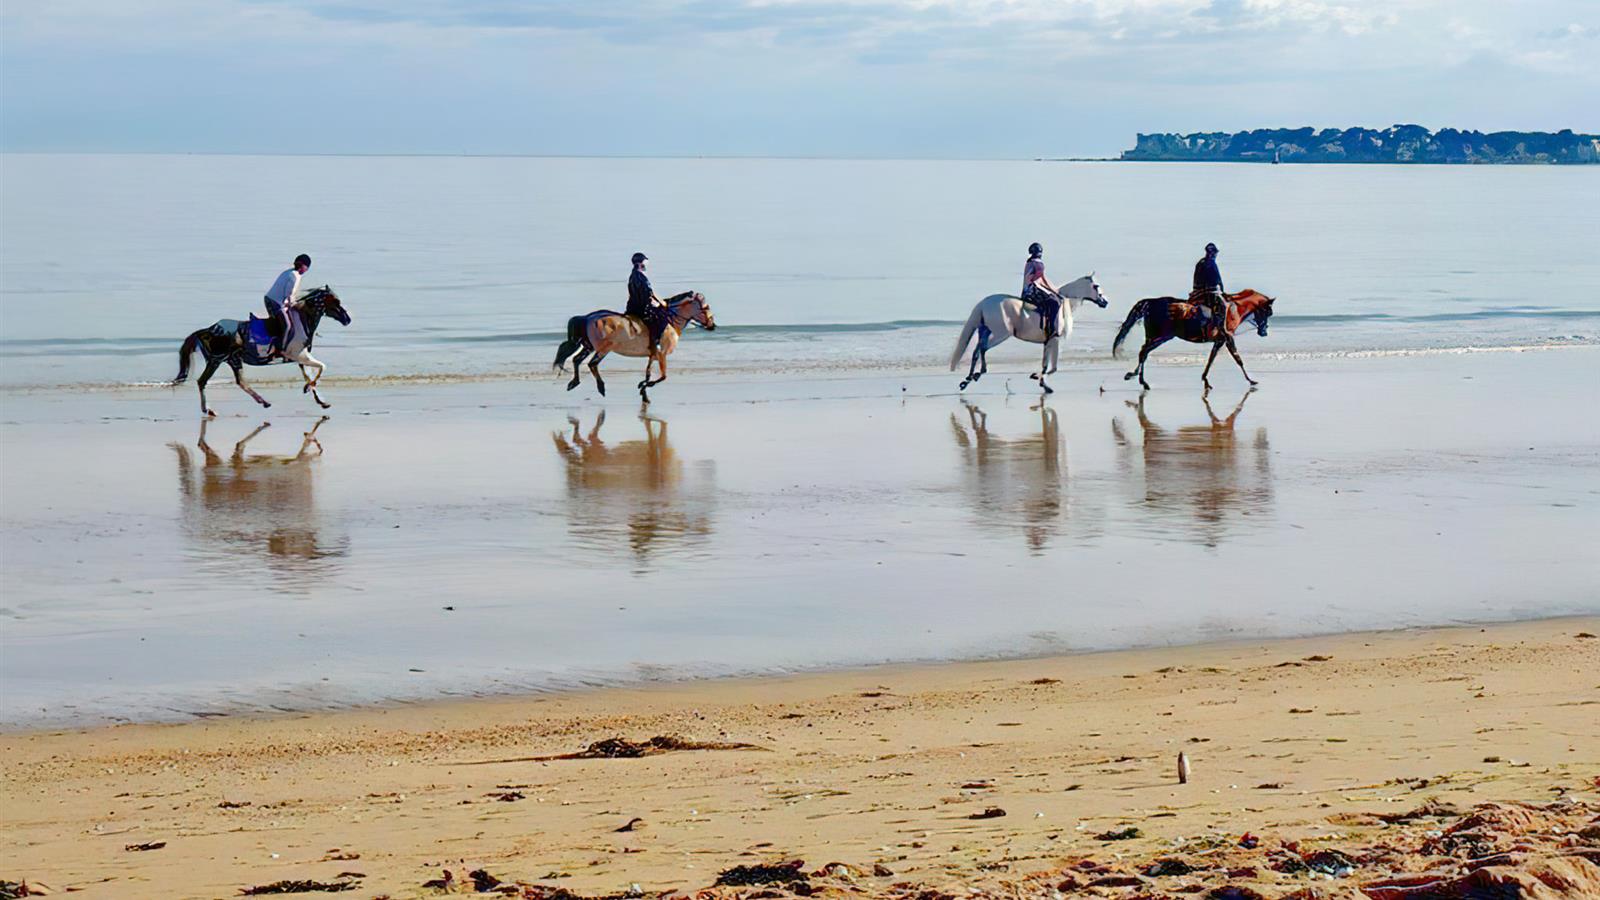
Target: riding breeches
(1214, 302)
(1049, 307)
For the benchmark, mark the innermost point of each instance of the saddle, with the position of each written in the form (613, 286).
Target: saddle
(259, 333)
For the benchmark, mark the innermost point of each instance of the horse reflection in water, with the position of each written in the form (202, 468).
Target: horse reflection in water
(635, 493)
(1015, 482)
(256, 505)
(1205, 476)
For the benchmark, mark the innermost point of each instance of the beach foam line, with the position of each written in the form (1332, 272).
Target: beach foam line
(833, 367)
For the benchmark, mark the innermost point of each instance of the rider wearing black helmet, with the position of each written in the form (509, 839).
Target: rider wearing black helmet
(643, 303)
(1037, 290)
(1208, 287)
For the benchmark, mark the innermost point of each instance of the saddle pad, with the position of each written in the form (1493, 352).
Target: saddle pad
(258, 332)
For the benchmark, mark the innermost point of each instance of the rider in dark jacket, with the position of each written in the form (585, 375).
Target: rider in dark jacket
(642, 301)
(1208, 286)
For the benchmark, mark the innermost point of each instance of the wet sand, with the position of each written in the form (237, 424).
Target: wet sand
(507, 537)
(894, 774)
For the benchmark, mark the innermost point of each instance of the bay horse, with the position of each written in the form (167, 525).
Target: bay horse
(1166, 318)
(604, 331)
(1001, 316)
(246, 343)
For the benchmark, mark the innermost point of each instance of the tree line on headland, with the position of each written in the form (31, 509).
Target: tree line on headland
(1397, 144)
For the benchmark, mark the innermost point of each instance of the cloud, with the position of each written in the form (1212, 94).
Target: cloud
(873, 77)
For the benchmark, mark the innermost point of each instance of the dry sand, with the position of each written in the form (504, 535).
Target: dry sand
(889, 772)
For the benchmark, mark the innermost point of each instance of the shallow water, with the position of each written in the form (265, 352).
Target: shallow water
(470, 266)
(506, 536)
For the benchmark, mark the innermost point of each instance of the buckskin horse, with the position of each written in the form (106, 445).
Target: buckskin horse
(1166, 318)
(1001, 316)
(603, 332)
(247, 343)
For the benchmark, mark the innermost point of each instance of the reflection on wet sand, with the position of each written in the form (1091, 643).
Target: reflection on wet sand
(1015, 482)
(636, 493)
(246, 507)
(1204, 477)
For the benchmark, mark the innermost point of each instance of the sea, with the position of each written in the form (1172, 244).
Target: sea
(469, 267)
(810, 489)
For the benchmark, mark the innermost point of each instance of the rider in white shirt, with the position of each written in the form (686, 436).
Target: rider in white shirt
(278, 298)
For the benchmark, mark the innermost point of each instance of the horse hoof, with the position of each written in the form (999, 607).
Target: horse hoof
(1047, 388)
(266, 404)
(1128, 377)
(571, 385)
(324, 405)
(601, 388)
(964, 385)
(209, 413)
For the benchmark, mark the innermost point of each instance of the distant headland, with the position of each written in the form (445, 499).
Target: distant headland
(1397, 144)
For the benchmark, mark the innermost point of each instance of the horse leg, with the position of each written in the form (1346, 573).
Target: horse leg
(577, 367)
(980, 355)
(594, 369)
(306, 359)
(649, 360)
(1144, 354)
(211, 368)
(1235, 351)
(238, 378)
(1205, 376)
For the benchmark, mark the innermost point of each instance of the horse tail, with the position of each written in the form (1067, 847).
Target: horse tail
(1134, 315)
(570, 346)
(187, 350)
(973, 321)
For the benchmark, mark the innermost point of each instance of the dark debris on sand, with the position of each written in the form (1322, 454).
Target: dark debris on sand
(1504, 851)
(302, 886)
(622, 748)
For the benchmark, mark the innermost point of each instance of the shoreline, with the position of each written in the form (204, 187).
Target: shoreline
(591, 687)
(893, 767)
(1011, 361)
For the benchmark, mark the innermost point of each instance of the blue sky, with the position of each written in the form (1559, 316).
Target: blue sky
(896, 78)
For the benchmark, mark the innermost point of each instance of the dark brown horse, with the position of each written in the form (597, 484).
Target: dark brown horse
(1166, 318)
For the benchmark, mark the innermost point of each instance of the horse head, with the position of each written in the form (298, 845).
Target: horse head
(1262, 310)
(694, 308)
(1086, 288)
(319, 302)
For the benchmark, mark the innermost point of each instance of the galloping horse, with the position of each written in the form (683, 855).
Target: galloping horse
(604, 331)
(1166, 318)
(246, 343)
(1001, 316)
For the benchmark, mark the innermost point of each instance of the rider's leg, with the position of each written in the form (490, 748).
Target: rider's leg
(279, 330)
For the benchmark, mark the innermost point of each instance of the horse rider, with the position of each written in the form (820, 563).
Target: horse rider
(278, 299)
(643, 302)
(1208, 288)
(1039, 292)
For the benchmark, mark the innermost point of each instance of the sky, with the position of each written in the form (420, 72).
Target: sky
(849, 78)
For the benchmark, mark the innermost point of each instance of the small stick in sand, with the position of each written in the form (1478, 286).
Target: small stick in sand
(1183, 768)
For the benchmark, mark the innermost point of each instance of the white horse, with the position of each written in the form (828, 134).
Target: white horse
(1001, 316)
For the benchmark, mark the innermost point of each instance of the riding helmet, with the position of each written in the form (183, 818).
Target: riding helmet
(639, 258)
(1034, 249)
(1211, 249)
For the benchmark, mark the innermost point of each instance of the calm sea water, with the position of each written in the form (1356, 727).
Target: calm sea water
(471, 266)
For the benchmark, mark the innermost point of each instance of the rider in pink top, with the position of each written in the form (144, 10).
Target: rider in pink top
(1039, 292)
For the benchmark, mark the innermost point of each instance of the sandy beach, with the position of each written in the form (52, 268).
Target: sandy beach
(1005, 778)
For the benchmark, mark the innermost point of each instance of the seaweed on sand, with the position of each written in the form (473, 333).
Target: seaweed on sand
(302, 886)
(622, 748)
